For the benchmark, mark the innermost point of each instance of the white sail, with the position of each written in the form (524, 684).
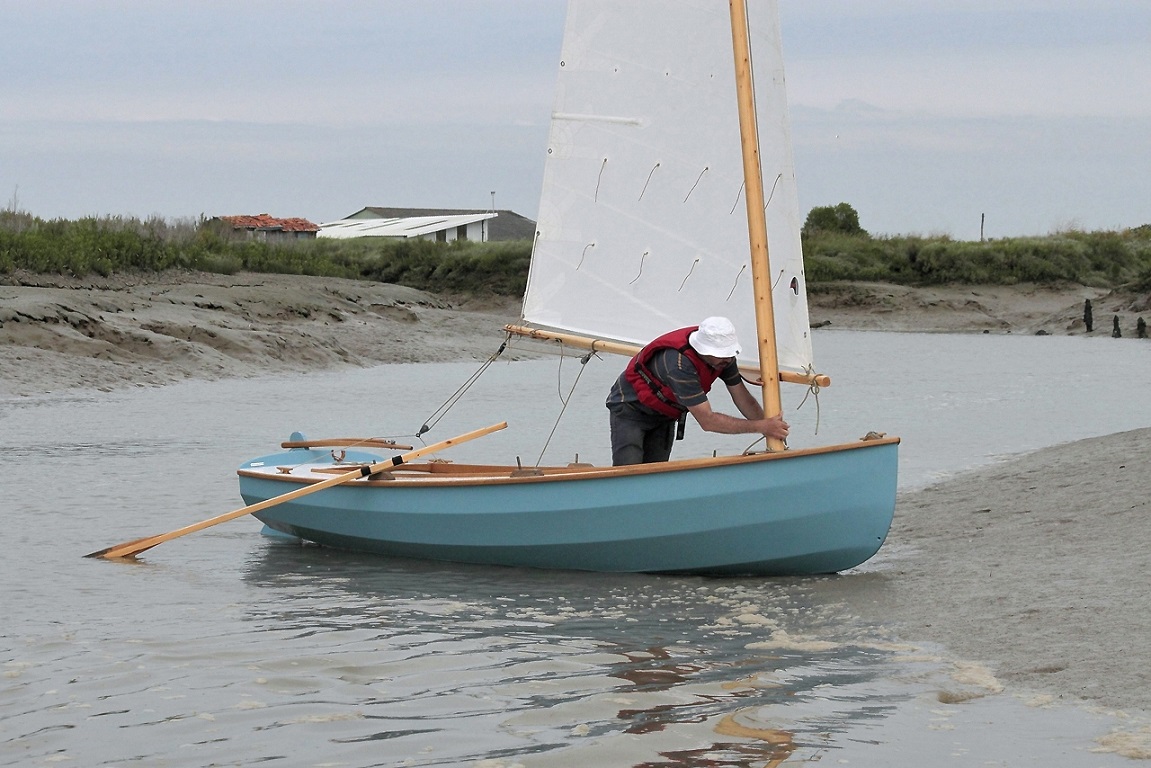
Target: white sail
(642, 226)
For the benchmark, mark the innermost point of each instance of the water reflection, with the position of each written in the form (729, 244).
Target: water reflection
(556, 659)
(644, 675)
(769, 750)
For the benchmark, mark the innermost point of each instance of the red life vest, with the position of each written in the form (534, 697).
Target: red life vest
(654, 393)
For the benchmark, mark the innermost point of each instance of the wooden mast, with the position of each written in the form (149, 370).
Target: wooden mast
(756, 219)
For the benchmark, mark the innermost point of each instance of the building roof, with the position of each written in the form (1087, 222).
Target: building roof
(266, 221)
(509, 226)
(410, 226)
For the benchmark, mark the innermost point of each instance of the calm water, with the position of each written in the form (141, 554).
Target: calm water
(227, 648)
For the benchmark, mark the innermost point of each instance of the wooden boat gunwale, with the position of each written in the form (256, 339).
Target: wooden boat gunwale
(452, 474)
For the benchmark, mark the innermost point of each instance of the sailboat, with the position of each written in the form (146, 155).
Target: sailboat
(669, 195)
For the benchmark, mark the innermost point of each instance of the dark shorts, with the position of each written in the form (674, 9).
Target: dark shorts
(638, 437)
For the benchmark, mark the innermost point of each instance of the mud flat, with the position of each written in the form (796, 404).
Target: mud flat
(60, 333)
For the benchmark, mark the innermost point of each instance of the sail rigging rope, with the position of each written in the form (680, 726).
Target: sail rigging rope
(584, 359)
(437, 414)
(649, 175)
(738, 197)
(774, 184)
(455, 397)
(584, 253)
(747, 451)
(639, 274)
(812, 391)
(736, 283)
(692, 269)
(696, 184)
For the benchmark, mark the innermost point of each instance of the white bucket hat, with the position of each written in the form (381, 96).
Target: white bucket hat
(716, 337)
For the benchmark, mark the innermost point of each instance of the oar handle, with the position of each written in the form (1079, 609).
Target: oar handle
(133, 548)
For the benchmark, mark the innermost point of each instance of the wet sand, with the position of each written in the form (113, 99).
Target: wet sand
(1036, 567)
(59, 333)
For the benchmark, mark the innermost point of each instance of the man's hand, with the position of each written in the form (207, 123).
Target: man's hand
(775, 427)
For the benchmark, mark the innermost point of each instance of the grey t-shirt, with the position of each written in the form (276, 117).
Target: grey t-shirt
(674, 369)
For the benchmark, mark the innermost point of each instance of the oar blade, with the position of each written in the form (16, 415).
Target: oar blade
(129, 549)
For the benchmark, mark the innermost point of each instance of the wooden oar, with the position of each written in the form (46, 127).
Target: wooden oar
(347, 442)
(132, 548)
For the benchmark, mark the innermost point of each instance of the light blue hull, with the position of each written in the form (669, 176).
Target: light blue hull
(801, 512)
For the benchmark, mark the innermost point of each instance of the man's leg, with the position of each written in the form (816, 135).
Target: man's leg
(627, 440)
(658, 442)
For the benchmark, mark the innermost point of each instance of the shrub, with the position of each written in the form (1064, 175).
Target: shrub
(833, 218)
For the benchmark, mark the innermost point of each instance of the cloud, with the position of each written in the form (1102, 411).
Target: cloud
(178, 169)
(926, 116)
(920, 114)
(972, 58)
(915, 172)
(288, 61)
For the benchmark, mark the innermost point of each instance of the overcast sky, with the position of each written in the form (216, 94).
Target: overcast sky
(922, 114)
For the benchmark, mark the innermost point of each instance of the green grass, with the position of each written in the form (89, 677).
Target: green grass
(109, 245)
(1102, 259)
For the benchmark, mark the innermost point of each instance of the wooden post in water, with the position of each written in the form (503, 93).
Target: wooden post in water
(1088, 320)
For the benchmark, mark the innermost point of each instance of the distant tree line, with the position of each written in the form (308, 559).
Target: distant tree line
(836, 248)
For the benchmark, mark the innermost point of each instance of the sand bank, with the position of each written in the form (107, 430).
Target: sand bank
(59, 333)
(1037, 567)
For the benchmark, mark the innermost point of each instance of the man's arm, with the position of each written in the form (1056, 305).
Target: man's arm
(714, 421)
(684, 380)
(745, 401)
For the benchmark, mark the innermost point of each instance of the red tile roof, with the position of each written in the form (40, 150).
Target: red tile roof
(266, 221)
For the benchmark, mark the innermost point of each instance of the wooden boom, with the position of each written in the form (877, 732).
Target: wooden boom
(619, 348)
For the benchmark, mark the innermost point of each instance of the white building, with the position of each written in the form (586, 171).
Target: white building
(441, 228)
(442, 224)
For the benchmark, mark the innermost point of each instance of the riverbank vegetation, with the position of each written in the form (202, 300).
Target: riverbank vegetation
(836, 249)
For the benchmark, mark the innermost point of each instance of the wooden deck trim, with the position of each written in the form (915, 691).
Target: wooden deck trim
(444, 474)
